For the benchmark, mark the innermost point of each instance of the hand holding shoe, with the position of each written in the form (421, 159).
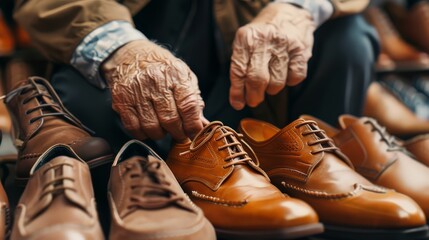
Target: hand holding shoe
(154, 92)
(269, 53)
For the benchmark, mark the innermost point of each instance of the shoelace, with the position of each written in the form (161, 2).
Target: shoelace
(48, 109)
(156, 193)
(56, 185)
(390, 140)
(326, 143)
(237, 155)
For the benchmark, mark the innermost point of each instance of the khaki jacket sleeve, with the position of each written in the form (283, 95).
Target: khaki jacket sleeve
(56, 27)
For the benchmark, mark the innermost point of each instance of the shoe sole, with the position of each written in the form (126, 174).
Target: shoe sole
(344, 233)
(288, 233)
(93, 163)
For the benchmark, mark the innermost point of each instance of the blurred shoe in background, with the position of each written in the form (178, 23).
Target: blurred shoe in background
(405, 56)
(7, 43)
(413, 24)
(387, 109)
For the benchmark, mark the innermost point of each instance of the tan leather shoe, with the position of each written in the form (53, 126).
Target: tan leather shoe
(235, 194)
(40, 121)
(304, 163)
(419, 147)
(413, 24)
(376, 156)
(58, 201)
(147, 202)
(403, 54)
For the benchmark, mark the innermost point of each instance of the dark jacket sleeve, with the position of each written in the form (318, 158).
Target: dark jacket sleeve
(56, 27)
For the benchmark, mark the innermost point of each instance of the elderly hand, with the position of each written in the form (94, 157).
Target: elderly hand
(269, 53)
(154, 92)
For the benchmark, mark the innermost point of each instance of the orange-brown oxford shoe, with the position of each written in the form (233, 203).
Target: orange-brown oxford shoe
(377, 156)
(235, 194)
(305, 163)
(146, 201)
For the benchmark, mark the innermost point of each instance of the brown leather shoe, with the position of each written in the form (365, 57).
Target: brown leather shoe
(147, 202)
(403, 54)
(413, 24)
(58, 201)
(234, 193)
(376, 156)
(419, 147)
(40, 121)
(304, 163)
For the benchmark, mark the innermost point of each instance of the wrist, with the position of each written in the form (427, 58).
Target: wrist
(320, 10)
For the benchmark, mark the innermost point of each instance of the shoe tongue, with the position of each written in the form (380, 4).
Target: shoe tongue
(144, 175)
(346, 121)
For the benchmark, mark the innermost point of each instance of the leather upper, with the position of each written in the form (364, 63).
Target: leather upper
(40, 121)
(58, 201)
(225, 180)
(304, 163)
(379, 157)
(419, 147)
(147, 202)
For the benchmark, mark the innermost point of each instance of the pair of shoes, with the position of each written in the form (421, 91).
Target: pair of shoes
(396, 53)
(304, 162)
(223, 176)
(146, 202)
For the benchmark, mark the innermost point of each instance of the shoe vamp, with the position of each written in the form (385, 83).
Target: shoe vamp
(152, 221)
(60, 212)
(333, 176)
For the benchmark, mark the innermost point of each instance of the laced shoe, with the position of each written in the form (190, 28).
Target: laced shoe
(58, 201)
(305, 163)
(40, 121)
(224, 180)
(146, 201)
(379, 157)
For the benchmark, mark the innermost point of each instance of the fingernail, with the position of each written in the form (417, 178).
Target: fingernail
(237, 105)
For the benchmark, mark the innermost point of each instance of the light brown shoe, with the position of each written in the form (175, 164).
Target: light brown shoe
(304, 163)
(377, 156)
(235, 194)
(146, 202)
(41, 120)
(58, 201)
(403, 54)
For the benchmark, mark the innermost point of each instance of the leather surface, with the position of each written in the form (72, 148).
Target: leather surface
(5, 220)
(158, 216)
(304, 163)
(378, 157)
(419, 147)
(58, 201)
(35, 134)
(225, 181)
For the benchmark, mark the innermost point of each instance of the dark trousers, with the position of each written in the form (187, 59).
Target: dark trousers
(339, 74)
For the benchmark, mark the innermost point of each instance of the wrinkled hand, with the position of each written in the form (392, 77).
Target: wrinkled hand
(154, 92)
(269, 53)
